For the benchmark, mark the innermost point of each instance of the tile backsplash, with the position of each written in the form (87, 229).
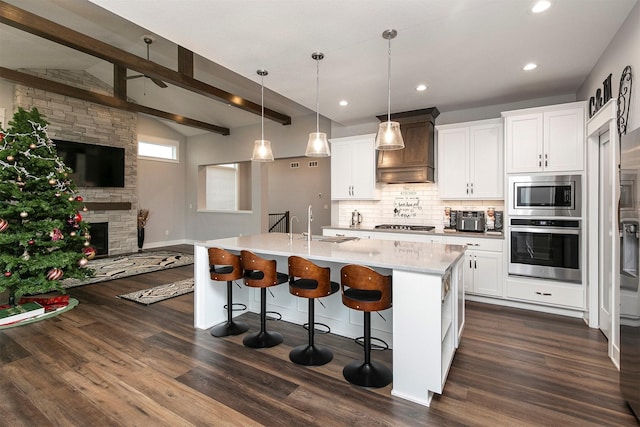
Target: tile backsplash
(410, 204)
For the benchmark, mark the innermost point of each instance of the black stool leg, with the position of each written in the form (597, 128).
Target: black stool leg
(309, 354)
(263, 338)
(367, 374)
(231, 327)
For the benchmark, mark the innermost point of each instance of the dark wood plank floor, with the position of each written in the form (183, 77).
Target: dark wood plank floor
(114, 362)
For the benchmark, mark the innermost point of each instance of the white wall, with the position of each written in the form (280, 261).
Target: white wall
(161, 188)
(206, 149)
(623, 50)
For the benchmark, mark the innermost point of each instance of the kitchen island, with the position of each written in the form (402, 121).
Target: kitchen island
(426, 320)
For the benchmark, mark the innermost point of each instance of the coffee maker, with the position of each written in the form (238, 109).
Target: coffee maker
(356, 219)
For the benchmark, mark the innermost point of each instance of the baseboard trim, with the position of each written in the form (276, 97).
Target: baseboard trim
(526, 306)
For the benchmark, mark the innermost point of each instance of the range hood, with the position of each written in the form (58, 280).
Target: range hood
(416, 162)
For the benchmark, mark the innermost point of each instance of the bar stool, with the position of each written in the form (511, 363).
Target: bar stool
(307, 280)
(224, 265)
(366, 290)
(261, 273)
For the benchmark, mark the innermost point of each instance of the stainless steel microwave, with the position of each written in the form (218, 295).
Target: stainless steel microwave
(545, 195)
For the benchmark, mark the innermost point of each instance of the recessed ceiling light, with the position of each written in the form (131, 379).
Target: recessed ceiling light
(343, 103)
(421, 88)
(541, 6)
(530, 66)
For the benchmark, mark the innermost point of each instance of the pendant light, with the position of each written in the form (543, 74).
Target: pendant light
(318, 146)
(262, 148)
(389, 136)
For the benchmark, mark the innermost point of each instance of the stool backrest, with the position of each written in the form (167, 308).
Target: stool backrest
(302, 268)
(367, 283)
(223, 265)
(258, 272)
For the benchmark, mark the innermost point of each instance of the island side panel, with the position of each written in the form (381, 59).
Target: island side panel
(417, 344)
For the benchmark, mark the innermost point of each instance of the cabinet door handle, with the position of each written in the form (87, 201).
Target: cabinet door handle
(539, 160)
(470, 263)
(475, 263)
(467, 188)
(545, 161)
(544, 294)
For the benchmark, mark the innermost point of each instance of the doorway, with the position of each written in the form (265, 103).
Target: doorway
(605, 231)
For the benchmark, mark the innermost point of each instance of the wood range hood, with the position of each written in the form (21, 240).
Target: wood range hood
(414, 163)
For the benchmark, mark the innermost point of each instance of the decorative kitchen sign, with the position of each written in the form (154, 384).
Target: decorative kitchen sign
(601, 97)
(406, 204)
(624, 100)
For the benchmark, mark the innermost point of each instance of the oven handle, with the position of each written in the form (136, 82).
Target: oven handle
(552, 230)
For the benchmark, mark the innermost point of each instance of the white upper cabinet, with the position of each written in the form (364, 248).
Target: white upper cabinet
(546, 139)
(470, 160)
(353, 168)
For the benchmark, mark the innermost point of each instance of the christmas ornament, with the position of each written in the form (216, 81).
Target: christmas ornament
(25, 255)
(24, 214)
(77, 218)
(57, 194)
(86, 243)
(70, 198)
(72, 234)
(31, 242)
(55, 274)
(89, 252)
(83, 262)
(7, 274)
(4, 224)
(79, 199)
(84, 209)
(32, 146)
(10, 158)
(56, 234)
(52, 181)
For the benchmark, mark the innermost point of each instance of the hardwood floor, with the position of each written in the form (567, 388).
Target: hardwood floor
(114, 362)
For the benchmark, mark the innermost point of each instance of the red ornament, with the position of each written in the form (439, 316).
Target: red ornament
(79, 199)
(4, 224)
(55, 274)
(77, 218)
(89, 252)
(7, 274)
(56, 234)
(31, 242)
(1, 136)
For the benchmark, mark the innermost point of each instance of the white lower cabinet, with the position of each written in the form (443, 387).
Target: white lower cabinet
(483, 265)
(545, 292)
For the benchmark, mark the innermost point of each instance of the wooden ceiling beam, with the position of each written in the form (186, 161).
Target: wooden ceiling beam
(34, 24)
(106, 100)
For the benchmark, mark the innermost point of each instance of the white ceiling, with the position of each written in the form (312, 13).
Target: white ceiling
(469, 52)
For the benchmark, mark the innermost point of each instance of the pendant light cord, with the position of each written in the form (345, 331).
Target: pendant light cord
(262, 108)
(317, 95)
(389, 84)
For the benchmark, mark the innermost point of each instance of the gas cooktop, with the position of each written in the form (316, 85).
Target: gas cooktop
(405, 227)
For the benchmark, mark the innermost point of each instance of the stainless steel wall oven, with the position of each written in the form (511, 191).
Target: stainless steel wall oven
(545, 248)
(545, 195)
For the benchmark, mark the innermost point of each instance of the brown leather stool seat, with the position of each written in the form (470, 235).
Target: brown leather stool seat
(366, 290)
(308, 280)
(225, 266)
(261, 273)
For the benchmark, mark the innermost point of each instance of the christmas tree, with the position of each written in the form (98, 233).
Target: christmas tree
(43, 238)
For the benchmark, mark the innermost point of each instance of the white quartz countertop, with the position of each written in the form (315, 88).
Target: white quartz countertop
(429, 258)
(437, 232)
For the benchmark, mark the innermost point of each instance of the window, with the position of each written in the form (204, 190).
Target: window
(224, 187)
(158, 148)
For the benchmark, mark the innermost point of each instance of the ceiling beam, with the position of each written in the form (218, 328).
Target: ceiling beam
(36, 25)
(106, 100)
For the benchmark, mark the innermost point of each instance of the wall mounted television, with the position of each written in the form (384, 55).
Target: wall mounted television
(92, 165)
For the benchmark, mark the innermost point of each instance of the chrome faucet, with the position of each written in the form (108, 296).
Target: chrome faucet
(291, 227)
(309, 219)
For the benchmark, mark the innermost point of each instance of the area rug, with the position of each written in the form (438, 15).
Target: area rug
(160, 293)
(130, 265)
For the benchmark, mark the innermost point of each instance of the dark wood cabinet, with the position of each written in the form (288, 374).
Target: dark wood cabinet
(416, 162)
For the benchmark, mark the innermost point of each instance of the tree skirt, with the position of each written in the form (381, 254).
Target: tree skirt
(72, 303)
(160, 293)
(130, 265)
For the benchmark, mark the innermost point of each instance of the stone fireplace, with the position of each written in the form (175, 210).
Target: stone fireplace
(76, 120)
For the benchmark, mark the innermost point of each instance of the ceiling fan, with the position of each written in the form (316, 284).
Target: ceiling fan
(148, 40)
